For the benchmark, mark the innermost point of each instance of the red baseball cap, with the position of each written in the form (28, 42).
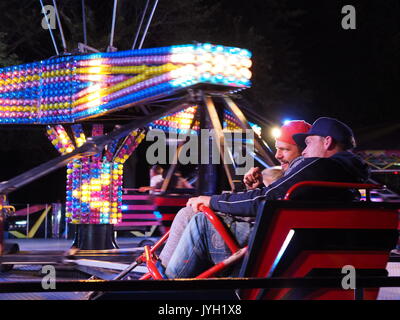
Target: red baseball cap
(291, 128)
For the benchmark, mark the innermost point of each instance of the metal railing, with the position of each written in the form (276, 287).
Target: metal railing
(200, 284)
(27, 228)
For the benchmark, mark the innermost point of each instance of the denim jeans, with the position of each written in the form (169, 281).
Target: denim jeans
(178, 226)
(200, 247)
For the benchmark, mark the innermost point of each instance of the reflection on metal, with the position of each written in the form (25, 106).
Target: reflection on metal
(56, 220)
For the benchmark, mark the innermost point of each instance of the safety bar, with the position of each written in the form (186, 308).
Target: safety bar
(221, 228)
(238, 255)
(151, 265)
(147, 256)
(328, 184)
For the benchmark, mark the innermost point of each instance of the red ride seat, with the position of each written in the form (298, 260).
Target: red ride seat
(311, 239)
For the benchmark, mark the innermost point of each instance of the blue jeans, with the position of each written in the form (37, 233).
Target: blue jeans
(200, 247)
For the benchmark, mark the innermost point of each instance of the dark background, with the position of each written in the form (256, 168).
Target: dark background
(305, 65)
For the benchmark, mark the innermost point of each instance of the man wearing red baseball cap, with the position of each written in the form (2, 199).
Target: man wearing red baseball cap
(286, 151)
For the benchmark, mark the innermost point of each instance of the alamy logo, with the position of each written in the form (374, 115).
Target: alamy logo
(49, 19)
(49, 280)
(349, 280)
(349, 20)
(235, 147)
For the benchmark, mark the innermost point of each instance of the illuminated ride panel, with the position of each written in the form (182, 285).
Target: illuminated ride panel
(94, 184)
(72, 88)
(76, 87)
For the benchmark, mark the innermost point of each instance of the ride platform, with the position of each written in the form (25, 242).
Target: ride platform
(53, 250)
(26, 273)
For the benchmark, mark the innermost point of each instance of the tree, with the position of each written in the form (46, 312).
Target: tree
(6, 59)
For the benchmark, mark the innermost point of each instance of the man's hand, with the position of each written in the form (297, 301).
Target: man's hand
(253, 178)
(197, 201)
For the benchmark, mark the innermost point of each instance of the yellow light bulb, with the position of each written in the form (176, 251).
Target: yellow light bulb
(245, 73)
(94, 70)
(245, 62)
(219, 59)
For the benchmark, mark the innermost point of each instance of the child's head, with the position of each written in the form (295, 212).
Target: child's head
(272, 174)
(156, 170)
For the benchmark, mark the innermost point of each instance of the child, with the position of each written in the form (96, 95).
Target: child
(270, 175)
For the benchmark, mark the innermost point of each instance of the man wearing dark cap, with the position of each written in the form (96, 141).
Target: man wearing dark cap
(326, 158)
(325, 138)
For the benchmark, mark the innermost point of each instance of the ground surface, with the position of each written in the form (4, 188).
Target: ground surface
(33, 272)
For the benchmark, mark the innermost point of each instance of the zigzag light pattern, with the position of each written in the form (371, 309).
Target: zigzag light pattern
(75, 87)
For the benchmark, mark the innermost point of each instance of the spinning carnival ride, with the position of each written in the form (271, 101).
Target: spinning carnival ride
(63, 91)
(77, 87)
(180, 89)
(177, 89)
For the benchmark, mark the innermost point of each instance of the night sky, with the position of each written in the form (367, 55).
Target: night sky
(305, 64)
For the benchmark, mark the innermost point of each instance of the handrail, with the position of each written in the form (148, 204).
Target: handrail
(328, 184)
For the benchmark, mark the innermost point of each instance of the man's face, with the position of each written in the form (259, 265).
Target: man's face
(315, 147)
(286, 153)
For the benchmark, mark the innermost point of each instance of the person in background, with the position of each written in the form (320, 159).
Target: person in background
(156, 179)
(270, 175)
(177, 181)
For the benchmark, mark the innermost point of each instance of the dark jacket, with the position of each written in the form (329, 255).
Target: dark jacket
(341, 167)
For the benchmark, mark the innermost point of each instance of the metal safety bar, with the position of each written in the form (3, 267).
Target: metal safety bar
(328, 184)
(221, 228)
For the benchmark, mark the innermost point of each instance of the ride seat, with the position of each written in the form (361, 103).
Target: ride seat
(311, 239)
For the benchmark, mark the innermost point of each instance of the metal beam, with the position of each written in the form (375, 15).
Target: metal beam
(140, 24)
(148, 24)
(172, 167)
(219, 137)
(84, 23)
(49, 27)
(111, 45)
(60, 26)
(260, 145)
(92, 146)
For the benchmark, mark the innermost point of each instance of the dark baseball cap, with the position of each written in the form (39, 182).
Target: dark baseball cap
(324, 127)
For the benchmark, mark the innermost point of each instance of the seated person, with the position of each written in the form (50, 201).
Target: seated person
(270, 175)
(156, 178)
(177, 181)
(288, 153)
(326, 158)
